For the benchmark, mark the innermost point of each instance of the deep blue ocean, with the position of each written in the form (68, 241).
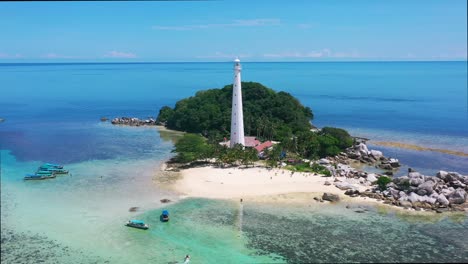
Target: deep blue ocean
(52, 114)
(51, 110)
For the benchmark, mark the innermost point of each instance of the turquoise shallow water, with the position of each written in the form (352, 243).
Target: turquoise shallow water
(79, 219)
(52, 115)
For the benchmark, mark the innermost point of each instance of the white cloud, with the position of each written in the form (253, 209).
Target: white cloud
(234, 23)
(221, 55)
(10, 56)
(52, 55)
(324, 53)
(120, 54)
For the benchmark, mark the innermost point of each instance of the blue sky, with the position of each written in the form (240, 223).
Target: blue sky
(220, 30)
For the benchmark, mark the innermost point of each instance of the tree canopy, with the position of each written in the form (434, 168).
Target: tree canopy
(267, 114)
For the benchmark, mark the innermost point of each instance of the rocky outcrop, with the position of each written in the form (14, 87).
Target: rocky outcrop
(444, 192)
(359, 152)
(447, 191)
(133, 121)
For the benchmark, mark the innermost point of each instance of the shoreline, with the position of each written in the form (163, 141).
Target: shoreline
(237, 182)
(302, 188)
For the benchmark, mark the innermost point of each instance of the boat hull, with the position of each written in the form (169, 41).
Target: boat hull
(137, 226)
(40, 177)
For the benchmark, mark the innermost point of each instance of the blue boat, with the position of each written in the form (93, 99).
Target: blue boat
(137, 224)
(165, 216)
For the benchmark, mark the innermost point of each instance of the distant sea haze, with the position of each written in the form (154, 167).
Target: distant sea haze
(418, 103)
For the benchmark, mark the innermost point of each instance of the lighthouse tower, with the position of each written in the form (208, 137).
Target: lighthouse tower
(237, 117)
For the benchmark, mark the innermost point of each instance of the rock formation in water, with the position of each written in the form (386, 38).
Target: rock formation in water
(133, 121)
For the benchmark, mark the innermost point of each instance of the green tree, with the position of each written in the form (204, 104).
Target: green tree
(165, 113)
(344, 139)
(249, 156)
(268, 114)
(328, 145)
(382, 182)
(191, 147)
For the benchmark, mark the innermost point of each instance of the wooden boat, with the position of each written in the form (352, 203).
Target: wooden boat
(44, 173)
(137, 224)
(39, 176)
(51, 165)
(165, 216)
(51, 169)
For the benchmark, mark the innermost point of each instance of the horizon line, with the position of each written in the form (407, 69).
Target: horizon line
(162, 62)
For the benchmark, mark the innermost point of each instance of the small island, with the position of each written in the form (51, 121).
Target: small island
(285, 153)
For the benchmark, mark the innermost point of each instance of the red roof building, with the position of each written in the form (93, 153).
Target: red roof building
(251, 141)
(263, 146)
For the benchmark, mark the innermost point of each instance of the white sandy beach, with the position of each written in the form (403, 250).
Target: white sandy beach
(227, 183)
(262, 185)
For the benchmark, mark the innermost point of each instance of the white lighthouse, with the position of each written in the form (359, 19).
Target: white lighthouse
(237, 116)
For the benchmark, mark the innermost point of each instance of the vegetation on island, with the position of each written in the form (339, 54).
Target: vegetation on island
(268, 115)
(193, 147)
(382, 182)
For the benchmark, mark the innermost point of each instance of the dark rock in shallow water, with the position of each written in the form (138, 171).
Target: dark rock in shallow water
(388, 173)
(165, 200)
(330, 197)
(133, 209)
(104, 119)
(385, 166)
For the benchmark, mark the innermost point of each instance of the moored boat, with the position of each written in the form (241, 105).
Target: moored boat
(53, 169)
(44, 173)
(137, 224)
(51, 165)
(39, 176)
(165, 216)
